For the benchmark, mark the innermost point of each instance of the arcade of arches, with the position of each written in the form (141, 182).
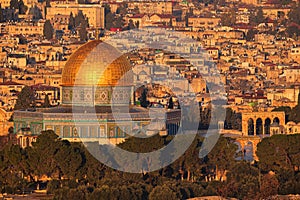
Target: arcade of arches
(259, 123)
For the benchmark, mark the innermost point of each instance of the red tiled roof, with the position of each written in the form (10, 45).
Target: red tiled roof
(164, 15)
(242, 26)
(138, 16)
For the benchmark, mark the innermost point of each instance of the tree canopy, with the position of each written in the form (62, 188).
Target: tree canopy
(48, 30)
(76, 174)
(26, 99)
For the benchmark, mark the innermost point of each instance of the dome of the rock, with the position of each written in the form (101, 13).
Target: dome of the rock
(91, 74)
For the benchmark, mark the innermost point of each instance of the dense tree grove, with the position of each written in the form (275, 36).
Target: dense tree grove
(76, 174)
(80, 23)
(114, 20)
(18, 4)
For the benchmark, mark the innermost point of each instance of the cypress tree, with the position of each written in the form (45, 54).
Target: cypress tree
(48, 30)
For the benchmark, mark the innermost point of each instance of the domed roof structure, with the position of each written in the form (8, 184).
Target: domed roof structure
(92, 74)
(96, 63)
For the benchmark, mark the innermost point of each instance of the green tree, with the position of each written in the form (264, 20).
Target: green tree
(171, 103)
(41, 156)
(294, 115)
(1, 15)
(122, 10)
(11, 167)
(22, 8)
(233, 120)
(131, 25)
(79, 19)
(269, 186)
(293, 31)
(251, 34)
(143, 98)
(279, 152)
(141, 145)
(190, 166)
(119, 22)
(222, 156)
(137, 24)
(82, 31)
(36, 12)
(243, 180)
(257, 16)
(289, 182)
(48, 30)
(162, 193)
(26, 99)
(294, 15)
(228, 19)
(69, 158)
(76, 194)
(52, 186)
(109, 20)
(102, 193)
(71, 25)
(14, 4)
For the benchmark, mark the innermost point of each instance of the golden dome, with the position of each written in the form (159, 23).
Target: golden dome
(96, 63)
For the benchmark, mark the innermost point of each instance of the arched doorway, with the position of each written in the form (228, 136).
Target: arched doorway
(276, 120)
(259, 128)
(250, 127)
(248, 151)
(267, 126)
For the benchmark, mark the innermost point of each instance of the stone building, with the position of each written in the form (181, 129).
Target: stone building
(94, 13)
(260, 123)
(152, 7)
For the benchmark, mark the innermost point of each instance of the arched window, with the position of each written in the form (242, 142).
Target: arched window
(66, 132)
(250, 127)
(267, 126)
(259, 127)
